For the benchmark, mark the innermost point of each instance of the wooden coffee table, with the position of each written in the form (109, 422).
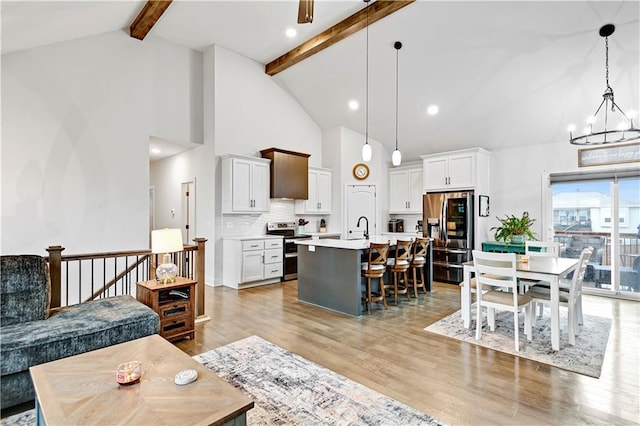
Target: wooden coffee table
(82, 389)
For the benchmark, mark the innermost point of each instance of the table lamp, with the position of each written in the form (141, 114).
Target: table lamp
(166, 241)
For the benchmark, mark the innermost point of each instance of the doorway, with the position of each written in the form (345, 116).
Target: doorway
(361, 201)
(188, 208)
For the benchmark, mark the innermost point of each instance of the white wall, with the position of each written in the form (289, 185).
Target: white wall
(517, 179)
(251, 112)
(76, 121)
(75, 127)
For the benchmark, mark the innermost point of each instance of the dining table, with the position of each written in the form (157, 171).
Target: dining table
(549, 269)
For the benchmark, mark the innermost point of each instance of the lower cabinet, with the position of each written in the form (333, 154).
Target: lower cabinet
(252, 261)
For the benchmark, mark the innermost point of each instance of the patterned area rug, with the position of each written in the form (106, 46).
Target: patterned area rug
(585, 357)
(290, 390)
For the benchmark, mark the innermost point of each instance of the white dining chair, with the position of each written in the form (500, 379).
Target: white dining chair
(572, 299)
(488, 266)
(542, 248)
(539, 249)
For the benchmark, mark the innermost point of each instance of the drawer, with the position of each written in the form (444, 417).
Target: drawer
(272, 271)
(253, 245)
(174, 309)
(175, 326)
(272, 256)
(271, 244)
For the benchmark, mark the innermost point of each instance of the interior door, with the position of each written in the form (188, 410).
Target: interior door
(361, 201)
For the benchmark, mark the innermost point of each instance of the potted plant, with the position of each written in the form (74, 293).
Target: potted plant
(514, 229)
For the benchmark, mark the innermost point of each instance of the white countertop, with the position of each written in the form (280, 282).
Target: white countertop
(411, 234)
(323, 234)
(253, 237)
(360, 244)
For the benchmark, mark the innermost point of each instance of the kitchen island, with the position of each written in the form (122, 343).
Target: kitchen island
(329, 272)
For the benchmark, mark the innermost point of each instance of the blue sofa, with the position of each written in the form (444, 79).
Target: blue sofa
(31, 335)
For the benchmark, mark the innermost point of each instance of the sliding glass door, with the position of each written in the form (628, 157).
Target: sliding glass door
(601, 210)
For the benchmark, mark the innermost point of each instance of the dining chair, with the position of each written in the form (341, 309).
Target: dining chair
(572, 299)
(488, 266)
(539, 249)
(375, 269)
(398, 266)
(417, 261)
(542, 248)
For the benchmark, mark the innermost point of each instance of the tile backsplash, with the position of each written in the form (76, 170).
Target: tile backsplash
(280, 211)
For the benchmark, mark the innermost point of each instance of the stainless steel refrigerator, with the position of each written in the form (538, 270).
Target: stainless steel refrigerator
(448, 219)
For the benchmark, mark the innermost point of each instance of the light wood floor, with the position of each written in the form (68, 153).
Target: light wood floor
(459, 383)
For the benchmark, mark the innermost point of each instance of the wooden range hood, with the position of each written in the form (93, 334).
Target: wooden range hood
(289, 173)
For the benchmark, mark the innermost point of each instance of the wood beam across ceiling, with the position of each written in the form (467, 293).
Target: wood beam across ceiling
(147, 18)
(343, 29)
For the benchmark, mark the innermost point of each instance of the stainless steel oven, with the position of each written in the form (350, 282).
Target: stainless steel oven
(290, 248)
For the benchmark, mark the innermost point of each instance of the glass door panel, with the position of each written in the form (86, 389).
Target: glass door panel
(582, 218)
(603, 214)
(629, 235)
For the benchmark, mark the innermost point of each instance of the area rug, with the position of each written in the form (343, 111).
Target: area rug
(290, 390)
(585, 357)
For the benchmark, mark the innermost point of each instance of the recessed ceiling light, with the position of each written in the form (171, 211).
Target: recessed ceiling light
(433, 109)
(291, 32)
(155, 151)
(354, 105)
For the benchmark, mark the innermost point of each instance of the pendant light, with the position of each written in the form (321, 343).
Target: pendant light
(396, 157)
(366, 148)
(625, 130)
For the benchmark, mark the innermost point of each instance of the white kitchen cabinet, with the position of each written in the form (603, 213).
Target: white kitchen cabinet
(252, 261)
(454, 170)
(319, 201)
(405, 190)
(245, 184)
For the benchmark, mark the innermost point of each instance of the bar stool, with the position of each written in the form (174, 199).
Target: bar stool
(417, 261)
(400, 265)
(375, 268)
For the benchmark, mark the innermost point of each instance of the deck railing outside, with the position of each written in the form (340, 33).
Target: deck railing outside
(598, 272)
(84, 277)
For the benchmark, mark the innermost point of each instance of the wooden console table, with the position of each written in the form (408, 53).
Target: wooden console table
(500, 247)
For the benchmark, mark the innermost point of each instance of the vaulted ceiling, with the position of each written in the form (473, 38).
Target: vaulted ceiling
(503, 73)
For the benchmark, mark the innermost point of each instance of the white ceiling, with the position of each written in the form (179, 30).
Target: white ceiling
(503, 73)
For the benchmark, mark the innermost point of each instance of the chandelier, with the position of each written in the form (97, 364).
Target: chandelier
(624, 130)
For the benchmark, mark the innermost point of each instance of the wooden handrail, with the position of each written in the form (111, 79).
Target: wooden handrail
(56, 258)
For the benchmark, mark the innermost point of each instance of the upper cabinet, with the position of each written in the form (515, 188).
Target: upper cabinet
(319, 201)
(464, 169)
(245, 184)
(405, 190)
(289, 171)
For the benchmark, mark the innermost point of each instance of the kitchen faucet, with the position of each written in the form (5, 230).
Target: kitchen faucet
(366, 231)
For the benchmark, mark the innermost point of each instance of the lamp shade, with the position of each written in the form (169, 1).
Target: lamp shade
(366, 152)
(396, 158)
(166, 240)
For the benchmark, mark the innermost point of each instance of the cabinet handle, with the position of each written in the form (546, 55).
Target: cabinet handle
(408, 204)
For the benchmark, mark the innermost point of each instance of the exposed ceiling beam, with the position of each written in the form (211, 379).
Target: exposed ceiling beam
(147, 18)
(343, 29)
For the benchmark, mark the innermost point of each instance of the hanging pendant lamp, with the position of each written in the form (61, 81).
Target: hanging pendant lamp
(625, 130)
(396, 157)
(366, 148)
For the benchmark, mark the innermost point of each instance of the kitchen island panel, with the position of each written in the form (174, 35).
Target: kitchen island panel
(329, 277)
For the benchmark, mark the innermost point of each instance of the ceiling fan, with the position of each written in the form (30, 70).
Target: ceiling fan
(305, 12)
